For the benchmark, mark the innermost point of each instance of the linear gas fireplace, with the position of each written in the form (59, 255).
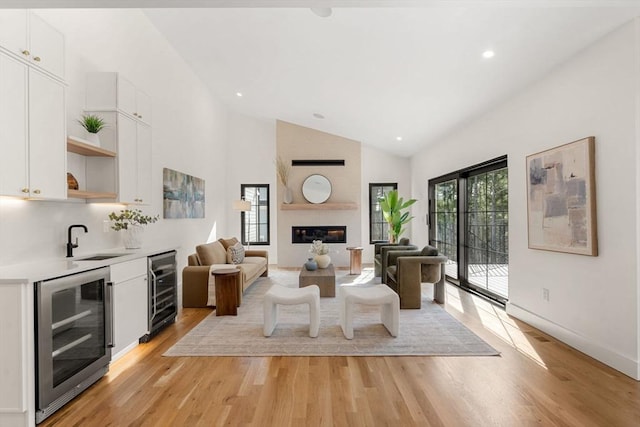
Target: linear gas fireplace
(326, 233)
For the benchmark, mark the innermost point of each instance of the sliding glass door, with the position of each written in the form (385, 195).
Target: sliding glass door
(468, 212)
(445, 218)
(487, 233)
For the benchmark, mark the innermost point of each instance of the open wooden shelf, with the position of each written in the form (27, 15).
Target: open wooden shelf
(79, 146)
(80, 194)
(319, 206)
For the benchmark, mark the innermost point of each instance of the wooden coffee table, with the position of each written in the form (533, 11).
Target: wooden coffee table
(325, 278)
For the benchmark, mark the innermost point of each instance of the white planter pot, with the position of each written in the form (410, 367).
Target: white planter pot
(132, 237)
(323, 260)
(93, 138)
(288, 195)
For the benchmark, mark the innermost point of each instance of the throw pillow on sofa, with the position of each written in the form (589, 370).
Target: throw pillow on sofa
(235, 254)
(227, 243)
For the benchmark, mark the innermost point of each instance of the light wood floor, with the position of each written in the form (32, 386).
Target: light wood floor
(536, 381)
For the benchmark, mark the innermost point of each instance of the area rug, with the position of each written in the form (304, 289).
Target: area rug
(430, 331)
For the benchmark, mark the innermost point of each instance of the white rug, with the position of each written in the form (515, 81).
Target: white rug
(430, 331)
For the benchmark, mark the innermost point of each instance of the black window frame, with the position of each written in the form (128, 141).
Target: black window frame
(372, 186)
(256, 211)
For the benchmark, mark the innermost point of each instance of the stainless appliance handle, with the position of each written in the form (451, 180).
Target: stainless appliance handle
(154, 284)
(109, 327)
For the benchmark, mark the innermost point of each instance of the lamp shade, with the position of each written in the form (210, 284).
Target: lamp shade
(242, 205)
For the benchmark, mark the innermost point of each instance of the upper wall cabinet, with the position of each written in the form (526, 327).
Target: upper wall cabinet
(110, 91)
(27, 36)
(32, 132)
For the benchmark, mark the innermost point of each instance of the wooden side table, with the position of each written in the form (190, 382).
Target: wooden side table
(226, 291)
(355, 260)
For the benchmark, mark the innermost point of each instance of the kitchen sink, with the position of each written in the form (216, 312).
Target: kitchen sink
(100, 257)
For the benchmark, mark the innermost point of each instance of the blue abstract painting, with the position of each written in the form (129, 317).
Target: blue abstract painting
(561, 202)
(182, 195)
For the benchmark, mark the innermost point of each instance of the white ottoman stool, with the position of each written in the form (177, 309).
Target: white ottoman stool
(381, 295)
(291, 296)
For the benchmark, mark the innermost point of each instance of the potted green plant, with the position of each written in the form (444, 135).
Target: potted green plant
(321, 252)
(392, 206)
(92, 124)
(131, 221)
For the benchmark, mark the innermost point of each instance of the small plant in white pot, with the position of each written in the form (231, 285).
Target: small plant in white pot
(92, 124)
(321, 253)
(131, 222)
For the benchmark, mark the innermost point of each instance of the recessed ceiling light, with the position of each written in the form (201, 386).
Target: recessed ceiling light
(488, 54)
(322, 12)
(239, 94)
(398, 138)
(318, 116)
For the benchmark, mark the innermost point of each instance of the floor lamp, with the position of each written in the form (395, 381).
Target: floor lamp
(243, 205)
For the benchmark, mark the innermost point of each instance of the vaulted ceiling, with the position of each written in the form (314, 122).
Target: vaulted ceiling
(375, 70)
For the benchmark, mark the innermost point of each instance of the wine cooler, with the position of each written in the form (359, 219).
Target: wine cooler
(163, 292)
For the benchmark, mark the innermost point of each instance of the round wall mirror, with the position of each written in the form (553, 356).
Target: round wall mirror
(316, 189)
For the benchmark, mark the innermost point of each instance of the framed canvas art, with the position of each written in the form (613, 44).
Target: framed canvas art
(561, 198)
(182, 195)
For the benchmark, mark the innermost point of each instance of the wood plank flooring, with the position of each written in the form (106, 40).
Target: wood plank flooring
(536, 381)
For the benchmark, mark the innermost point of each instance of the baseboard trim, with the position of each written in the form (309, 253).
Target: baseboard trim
(615, 360)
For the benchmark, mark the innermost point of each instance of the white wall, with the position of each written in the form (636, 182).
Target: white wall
(189, 135)
(593, 300)
(252, 152)
(378, 167)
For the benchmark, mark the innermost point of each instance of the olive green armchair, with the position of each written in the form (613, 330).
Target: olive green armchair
(408, 269)
(381, 254)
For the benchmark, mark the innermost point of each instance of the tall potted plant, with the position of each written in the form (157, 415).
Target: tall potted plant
(392, 206)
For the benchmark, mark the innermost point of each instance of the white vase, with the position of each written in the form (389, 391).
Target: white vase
(288, 195)
(93, 138)
(323, 260)
(132, 237)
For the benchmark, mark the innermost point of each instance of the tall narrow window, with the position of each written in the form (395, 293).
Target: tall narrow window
(378, 227)
(468, 212)
(254, 224)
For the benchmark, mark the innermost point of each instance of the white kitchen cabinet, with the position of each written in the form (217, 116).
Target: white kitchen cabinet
(32, 133)
(134, 161)
(143, 163)
(131, 176)
(17, 354)
(13, 31)
(14, 162)
(47, 138)
(130, 294)
(111, 91)
(27, 36)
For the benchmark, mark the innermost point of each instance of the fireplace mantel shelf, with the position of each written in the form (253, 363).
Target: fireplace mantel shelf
(319, 206)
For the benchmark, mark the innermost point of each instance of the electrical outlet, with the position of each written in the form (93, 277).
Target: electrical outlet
(545, 294)
(105, 226)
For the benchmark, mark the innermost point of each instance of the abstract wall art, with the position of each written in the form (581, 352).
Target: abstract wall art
(182, 195)
(561, 198)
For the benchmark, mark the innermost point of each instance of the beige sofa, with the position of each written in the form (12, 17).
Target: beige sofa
(195, 277)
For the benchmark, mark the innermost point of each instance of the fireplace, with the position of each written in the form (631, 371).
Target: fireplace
(326, 233)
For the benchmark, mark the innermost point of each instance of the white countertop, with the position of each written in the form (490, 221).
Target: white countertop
(50, 268)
